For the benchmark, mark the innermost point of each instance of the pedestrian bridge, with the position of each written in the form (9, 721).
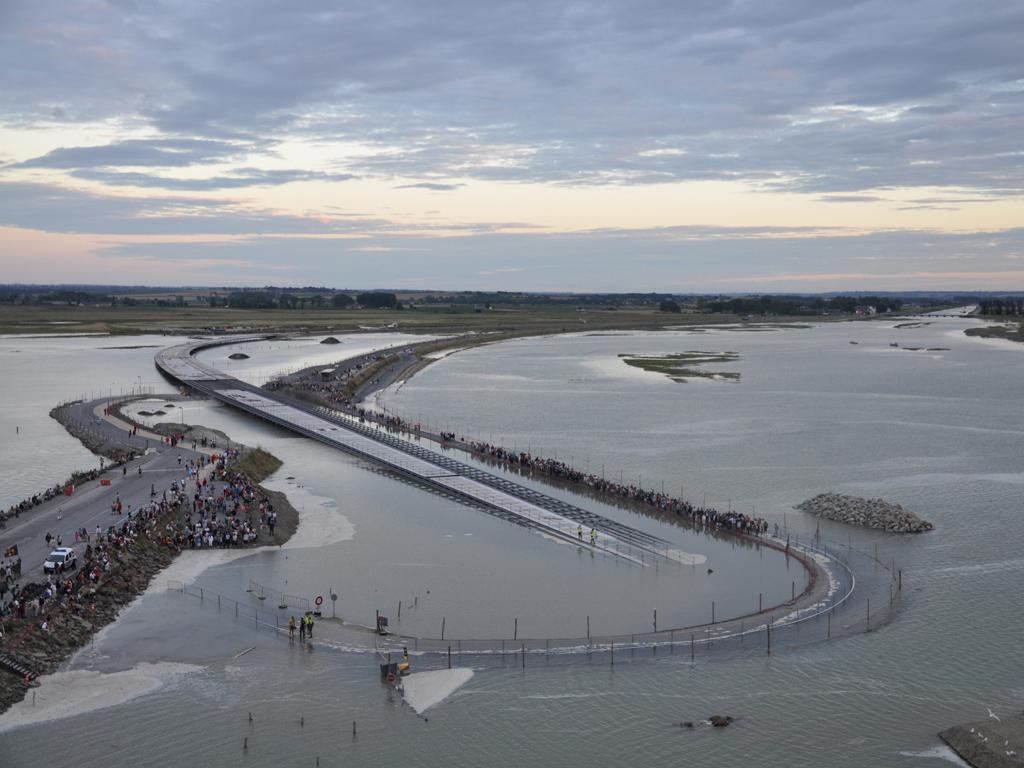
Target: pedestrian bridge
(454, 479)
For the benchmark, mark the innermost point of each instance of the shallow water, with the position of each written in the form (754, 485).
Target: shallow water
(939, 432)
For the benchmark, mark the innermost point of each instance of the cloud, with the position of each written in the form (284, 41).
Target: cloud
(850, 199)
(154, 153)
(240, 178)
(431, 185)
(52, 208)
(816, 97)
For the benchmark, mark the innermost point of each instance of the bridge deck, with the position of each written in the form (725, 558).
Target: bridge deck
(496, 495)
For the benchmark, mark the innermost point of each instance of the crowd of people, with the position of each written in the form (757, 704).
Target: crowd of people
(236, 515)
(34, 600)
(334, 389)
(731, 520)
(219, 507)
(60, 489)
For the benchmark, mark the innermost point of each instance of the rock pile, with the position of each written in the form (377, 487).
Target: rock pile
(871, 513)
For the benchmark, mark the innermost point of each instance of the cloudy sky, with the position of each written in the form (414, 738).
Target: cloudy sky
(686, 145)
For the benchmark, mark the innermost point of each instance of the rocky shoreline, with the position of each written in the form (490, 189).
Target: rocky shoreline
(92, 439)
(870, 513)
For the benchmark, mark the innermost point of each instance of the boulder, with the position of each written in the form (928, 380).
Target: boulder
(871, 513)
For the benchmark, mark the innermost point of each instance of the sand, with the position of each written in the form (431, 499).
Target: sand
(423, 690)
(67, 694)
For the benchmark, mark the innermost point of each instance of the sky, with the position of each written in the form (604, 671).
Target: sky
(652, 145)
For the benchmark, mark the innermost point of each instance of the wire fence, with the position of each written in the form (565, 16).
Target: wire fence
(275, 597)
(865, 595)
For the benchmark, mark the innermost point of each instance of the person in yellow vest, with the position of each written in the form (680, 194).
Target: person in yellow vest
(579, 532)
(593, 537)
(309, 626)
(291, 628)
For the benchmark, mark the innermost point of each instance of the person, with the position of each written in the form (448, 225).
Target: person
(140, 470)
(291, 628)
(302, 629)
(60, 512)
(48, 537)
(593, 537)
(579, 532)
(309, 626)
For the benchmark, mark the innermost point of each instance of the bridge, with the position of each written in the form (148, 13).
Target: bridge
(449, 477)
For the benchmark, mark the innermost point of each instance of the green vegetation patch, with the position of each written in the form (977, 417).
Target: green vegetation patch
(257, 464)
(683, 366)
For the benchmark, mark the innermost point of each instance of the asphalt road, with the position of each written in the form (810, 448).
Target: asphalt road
(89, 506)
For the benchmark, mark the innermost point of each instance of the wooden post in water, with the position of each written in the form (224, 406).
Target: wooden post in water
(655, 619)
(760, 602)
(515, 630)
(613, 653)
(900, 587)
(523, 652)
(399, 610)
(869, 614)
(443, 620)
(792, 590)
(768, 633)
(828, 626)
(691, 647)
(449, 657)
(712, 611)
(588, 627)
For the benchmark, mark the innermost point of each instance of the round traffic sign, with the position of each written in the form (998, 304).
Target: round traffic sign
(319, 600)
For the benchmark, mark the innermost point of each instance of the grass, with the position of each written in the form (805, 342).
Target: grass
(515, 321)
(257, 464)
(1011, 331)
(681, 366)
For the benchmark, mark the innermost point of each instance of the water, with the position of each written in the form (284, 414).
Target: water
(38, 373)
(939, 432)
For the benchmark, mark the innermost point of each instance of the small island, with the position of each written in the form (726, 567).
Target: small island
(870, 513)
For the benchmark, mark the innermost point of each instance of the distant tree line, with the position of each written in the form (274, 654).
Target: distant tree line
(284, 299)
(1005, 306)
(12, 294)
(797, 305)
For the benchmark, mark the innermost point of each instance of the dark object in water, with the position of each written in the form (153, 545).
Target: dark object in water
(238, 356)
(330, 340)
(719, 721)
